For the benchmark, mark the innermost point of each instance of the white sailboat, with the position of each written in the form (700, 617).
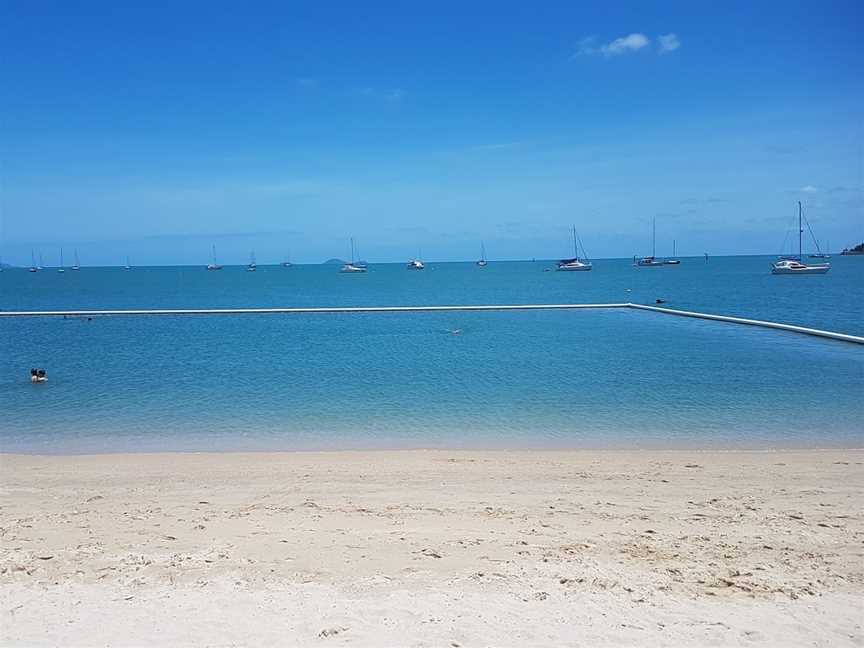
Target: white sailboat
(650, 261)
(60, 268)
(416, 264)
(287, 262)
(575, 264)
(673, 260)
(77, 265)
(128, 266)
(213, 265)
(795, 265)
(33, 266)
(482, 261)
(353, 268)
(252, 267)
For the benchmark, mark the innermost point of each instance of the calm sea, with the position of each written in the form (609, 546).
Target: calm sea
(523, 379)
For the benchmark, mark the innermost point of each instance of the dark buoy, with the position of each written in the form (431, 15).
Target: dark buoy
(659, 301)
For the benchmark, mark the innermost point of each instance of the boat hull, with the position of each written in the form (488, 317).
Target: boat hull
(810, 270)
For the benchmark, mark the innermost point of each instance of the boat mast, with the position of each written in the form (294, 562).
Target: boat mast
(673, 248)
(654, 237)
(800, 232)
(575, 246)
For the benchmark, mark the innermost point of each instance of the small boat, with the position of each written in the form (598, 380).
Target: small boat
(415, 264)
(33, 266)
(353, 267)
(481, 263)
(650, 261)
(127, 266)
(575, 264)
(60, 268)
(252, 267)
(673, 260)
(213, 265)
(794, 265)
(77, 265)
(287, 262)
(819, 254)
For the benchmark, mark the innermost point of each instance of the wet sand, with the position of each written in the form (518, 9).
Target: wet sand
(434, 548)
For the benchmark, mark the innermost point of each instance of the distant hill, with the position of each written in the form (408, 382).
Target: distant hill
(334, 262)
(858, 249)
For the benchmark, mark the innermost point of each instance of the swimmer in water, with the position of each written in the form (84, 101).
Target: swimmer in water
(34, 376)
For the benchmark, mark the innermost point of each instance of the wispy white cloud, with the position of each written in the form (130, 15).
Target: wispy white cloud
(668, 42)
(392, 94)
(628, 44)
(808, 189)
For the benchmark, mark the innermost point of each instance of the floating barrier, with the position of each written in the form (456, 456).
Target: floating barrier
(842, 337)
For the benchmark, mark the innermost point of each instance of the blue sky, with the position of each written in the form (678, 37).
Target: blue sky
(156, 130)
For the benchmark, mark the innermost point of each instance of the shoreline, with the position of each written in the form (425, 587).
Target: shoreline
(433, 547)
(528, 450)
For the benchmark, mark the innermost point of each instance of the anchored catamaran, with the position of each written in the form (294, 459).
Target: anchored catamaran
(213, 265)
(482, 262)
(353, 267)
(575, 264)
(795, 265)
(650, 261)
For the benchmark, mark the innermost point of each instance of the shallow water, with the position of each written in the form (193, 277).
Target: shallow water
(514, 379)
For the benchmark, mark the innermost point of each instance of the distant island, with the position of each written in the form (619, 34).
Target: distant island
(858, 249)
(341, 262)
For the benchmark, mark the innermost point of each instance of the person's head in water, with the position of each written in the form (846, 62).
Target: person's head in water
(41, 373)
(33, 372)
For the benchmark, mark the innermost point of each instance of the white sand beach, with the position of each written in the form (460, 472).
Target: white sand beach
(434, 548)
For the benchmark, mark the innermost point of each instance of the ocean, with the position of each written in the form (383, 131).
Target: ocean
(540, 379)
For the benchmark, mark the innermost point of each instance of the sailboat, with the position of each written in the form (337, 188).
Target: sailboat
(416, 264)
(795, 265)
(33, 266)
(819, 254)
(127, 266)
(39, 267)
(60, 267)
(482, 262)
(77, 265)
(352, 268)
(650, 261)
(673, 260)
(252, 267)
(575, 264)
(287, 262)
(213, 265)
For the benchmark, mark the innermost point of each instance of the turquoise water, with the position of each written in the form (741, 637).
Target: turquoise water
(522, 379)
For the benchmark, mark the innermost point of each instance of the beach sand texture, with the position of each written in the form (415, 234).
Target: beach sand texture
(434, 548)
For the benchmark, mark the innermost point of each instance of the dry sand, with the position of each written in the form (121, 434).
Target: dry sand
(434, 548)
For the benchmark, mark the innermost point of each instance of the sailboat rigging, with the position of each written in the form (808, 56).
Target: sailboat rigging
(795, 265)
(353, 267)
(213, 265)
(575, 264)
(650, 261)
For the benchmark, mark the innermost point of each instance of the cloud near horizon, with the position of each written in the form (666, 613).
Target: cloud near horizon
(627, 44)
